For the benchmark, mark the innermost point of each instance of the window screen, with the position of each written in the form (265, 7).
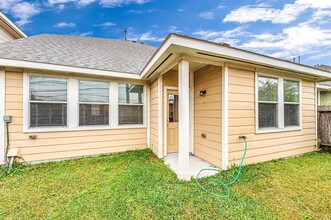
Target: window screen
(93, 103)
(48, 101)
(131, 107)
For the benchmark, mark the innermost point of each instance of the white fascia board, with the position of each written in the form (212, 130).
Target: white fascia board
(67, 69)
(233, 53)
(12, 25)
(156, 56)
(323, 87)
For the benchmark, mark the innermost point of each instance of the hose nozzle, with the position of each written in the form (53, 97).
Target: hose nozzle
(243, 137)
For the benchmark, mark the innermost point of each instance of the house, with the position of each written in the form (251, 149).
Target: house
(79, 96)
(324, 89)
(8, 30)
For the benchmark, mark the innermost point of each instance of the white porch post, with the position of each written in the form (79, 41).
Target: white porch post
(184, 118)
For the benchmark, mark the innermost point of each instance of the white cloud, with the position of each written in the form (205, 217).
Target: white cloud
(207, 15)
(103, 3)
(65, 24)
(89, 33)
(302, 39)
(228, 36)
(248, 13)
(105, 24)
(24, 11)
(174, 29)
(144, 37)
(263, 12)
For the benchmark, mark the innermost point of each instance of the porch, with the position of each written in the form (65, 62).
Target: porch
(187, 103)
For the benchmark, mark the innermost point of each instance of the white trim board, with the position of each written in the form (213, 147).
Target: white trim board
(225, 117)
(2, 112)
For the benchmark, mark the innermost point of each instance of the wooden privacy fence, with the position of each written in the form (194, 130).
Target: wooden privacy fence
(324, 125)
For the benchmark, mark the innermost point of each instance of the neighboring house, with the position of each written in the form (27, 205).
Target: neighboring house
(8, 30)
(324, 89)
(78, 96)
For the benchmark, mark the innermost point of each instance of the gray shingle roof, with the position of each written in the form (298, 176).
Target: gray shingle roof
(86, 52)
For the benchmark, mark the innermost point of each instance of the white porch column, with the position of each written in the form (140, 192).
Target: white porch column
(184, 118)
(2, 112)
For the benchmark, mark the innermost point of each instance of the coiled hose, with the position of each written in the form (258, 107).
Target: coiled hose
(216, 181)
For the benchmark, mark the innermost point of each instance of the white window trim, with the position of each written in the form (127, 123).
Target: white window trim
(2, 112)
(280, 116)
(73, 106)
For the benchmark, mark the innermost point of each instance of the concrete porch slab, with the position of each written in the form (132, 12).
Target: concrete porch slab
(196, 164)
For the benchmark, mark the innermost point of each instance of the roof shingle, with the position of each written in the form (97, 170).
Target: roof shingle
(85, 52)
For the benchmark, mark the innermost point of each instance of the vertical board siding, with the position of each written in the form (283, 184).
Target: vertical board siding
(268, 146)
(60, 145)
(154, 115)
(208, 114)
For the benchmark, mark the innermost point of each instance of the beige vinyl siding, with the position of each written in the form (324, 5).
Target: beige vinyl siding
(154, 115)
(208, 114)
(267, 146)
(67, 144)
(5, 35)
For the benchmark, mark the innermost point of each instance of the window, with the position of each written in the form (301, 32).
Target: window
(130, 104)
(93, 103)
(268, 102)
(291, 103)
(48, 101)
(278, 103)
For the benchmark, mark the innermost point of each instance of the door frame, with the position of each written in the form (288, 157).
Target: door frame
(2, 112)
(165, 117)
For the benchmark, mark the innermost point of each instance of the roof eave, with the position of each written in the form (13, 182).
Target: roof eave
(13, 26)
(232, 53)
(66, 69)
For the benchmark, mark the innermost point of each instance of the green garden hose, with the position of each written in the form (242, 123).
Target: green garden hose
(216, 181)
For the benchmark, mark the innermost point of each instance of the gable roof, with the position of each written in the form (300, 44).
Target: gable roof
(83, 52)
(9, 26)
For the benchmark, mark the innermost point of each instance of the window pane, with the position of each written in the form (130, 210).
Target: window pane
(291, 91)
(173, 108)
(93, 115)
(267, 115)
(46, 114)
(90, 91)
(291, 112)
(268, 88)
(130, 94)
(48, 89)
(130, 114)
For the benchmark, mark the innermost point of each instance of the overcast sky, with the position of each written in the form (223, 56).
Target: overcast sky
(282, 28)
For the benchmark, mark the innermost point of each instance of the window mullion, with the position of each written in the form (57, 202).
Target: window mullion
(280, 103)
(113, 99)
(73, 107)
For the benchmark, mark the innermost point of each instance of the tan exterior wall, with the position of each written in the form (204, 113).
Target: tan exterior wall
(59, 145)
(5, 36)
(154, 115)
(208, 114)
(264, 147)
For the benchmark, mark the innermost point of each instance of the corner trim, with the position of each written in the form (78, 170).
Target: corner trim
(225, 117)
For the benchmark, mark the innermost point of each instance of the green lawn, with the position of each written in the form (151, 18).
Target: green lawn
(135, 185)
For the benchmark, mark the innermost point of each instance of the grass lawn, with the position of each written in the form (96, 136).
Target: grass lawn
(135, 185)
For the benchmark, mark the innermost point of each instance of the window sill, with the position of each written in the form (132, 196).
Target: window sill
(87, 128)
(277, 130)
